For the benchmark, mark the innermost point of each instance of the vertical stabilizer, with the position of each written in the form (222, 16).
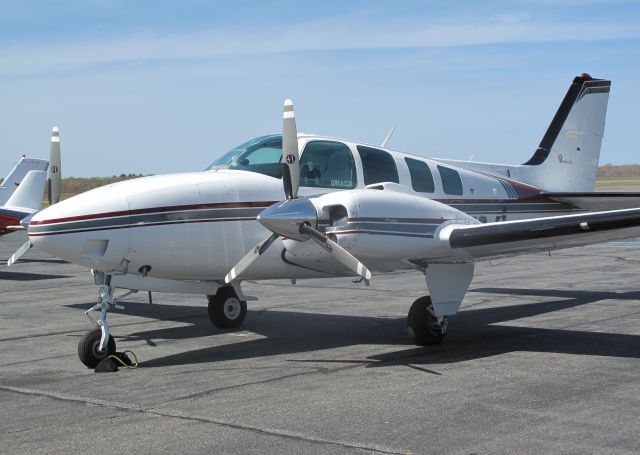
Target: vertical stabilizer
(568, 154)
(29, 194)
(17, 175)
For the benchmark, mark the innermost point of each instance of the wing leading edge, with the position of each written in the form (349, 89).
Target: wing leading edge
(542, 234)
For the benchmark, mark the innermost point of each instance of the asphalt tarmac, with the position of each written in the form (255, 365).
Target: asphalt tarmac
(543, 358)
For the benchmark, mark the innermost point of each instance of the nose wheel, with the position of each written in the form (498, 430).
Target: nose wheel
(89, 348)
(423, 326)
(226, 310)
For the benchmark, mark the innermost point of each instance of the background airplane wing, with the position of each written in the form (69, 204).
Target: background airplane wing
(542, 234)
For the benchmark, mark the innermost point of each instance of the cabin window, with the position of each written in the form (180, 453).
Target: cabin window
(377, 165)
(451, 182)
(421, 177)
(327, 164)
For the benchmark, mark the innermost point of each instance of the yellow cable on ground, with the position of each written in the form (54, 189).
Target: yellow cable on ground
(120, 361)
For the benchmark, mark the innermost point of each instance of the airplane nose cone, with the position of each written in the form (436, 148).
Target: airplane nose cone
(80, 229)
(284, 218)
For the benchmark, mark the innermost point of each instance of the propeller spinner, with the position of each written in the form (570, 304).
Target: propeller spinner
(295, 218)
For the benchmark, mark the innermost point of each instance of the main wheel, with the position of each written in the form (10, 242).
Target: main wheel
(423, 326)
(89, 348)
(226, 310)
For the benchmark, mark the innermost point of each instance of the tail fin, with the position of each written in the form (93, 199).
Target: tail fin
(29, 194)
(567, 157)
(17, 175)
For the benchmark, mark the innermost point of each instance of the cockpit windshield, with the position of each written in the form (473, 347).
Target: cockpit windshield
(262, 154)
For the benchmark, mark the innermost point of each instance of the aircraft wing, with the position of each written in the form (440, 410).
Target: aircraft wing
(510, 238)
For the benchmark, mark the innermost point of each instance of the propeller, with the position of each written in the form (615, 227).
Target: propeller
(290, 153)
(342, 255)
(54, 178)
(248, 259)
(26, 246)
(295, 217)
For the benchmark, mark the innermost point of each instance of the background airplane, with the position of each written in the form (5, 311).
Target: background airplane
(11, 183)
(26, 198)
(364, 208)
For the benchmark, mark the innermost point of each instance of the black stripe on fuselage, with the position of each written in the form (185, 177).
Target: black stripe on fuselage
(160, 218)
(145, 220)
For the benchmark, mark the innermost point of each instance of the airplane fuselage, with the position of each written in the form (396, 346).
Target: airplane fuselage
(195, 226)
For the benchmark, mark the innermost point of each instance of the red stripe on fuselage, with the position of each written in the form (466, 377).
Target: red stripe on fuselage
(173, 208)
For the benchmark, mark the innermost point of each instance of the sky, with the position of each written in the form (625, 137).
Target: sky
(156, 87)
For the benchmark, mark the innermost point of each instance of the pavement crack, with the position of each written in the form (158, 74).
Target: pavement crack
(292, 435)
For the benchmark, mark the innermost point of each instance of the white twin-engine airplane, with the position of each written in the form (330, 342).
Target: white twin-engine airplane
(363, 208)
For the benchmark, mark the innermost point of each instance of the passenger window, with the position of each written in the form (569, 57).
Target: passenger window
(377, 165)
(451, 182)
(327, 164)
(421, 177)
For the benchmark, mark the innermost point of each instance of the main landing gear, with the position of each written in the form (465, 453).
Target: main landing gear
(98, 343)
(423, 326)
(226, 310)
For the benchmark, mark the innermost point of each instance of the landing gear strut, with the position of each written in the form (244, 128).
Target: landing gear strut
(98, 343)
(226, 310)
(423, 326)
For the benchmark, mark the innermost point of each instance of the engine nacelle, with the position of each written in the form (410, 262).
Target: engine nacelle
(380, 227)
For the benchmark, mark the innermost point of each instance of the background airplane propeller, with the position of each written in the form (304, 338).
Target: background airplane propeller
(54, 177)
(294, 219)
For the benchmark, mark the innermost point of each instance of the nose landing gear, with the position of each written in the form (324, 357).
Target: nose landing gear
(98, 343)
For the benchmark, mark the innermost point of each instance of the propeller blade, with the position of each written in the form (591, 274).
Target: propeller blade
(54, 178)
(290, 153)
(248, 259)
(26, 246)
(339, 253)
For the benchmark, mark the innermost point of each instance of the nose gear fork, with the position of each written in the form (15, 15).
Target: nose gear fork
(105, 303)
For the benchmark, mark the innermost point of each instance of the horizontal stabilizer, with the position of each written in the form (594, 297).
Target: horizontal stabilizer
(595, 202)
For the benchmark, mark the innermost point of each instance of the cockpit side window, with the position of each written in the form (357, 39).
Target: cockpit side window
(327, 164)
(377, 165)
(262, 154)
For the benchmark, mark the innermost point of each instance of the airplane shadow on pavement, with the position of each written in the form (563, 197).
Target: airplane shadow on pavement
(24, 276)
(473, 333)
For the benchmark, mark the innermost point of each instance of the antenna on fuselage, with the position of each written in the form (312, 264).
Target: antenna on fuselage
(386, 139)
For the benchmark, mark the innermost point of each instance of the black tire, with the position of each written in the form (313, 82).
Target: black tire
(422, 326)
(226, 310)
(88, 348)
